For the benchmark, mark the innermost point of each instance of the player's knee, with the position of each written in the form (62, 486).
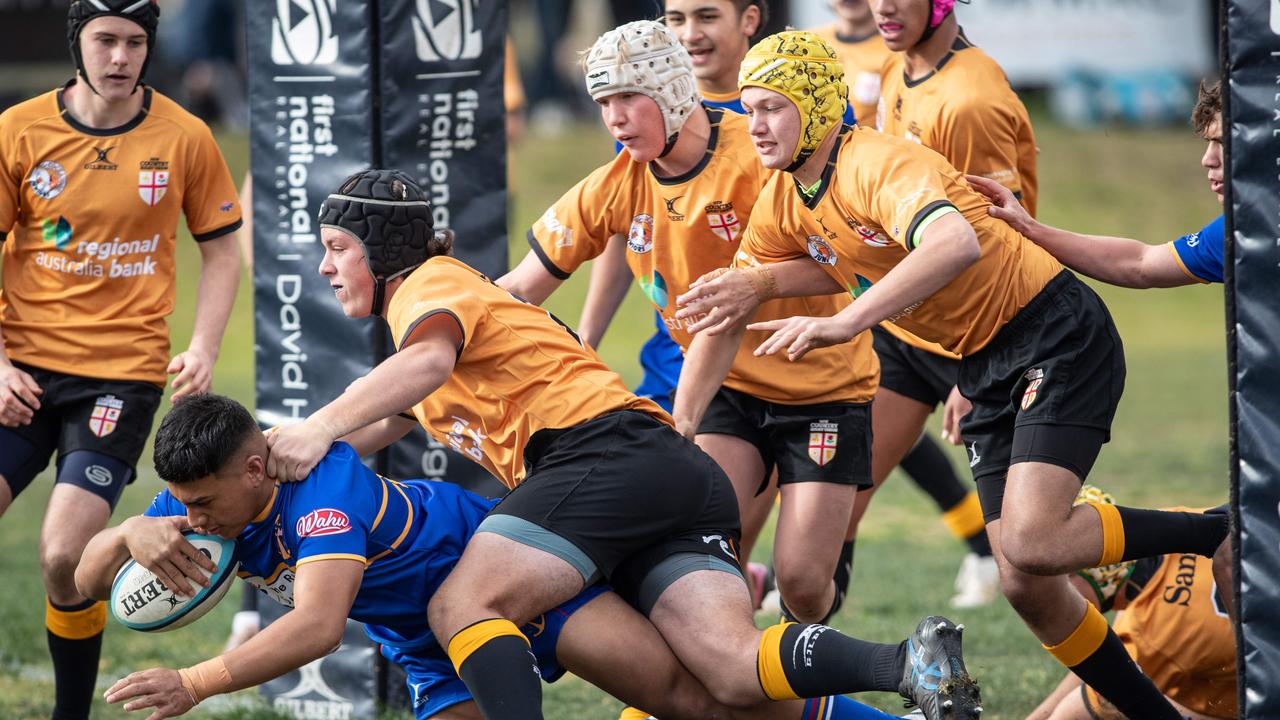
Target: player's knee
(58, 563)
(1020, 590)
(1031, 549)
(806, 592)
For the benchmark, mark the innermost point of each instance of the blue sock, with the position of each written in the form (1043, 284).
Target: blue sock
(839, 707)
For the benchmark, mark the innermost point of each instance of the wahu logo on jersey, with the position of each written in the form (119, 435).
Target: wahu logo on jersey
(672, 212)
(105, 415)
(640, 238)
(153, 180)
(823, 437)
(821, 251)
(1034, 377)
(102, 159)
(325, 521)
(723, 220)
(48, 179)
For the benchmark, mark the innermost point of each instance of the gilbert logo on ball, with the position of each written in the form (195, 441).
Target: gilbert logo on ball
(141, 601)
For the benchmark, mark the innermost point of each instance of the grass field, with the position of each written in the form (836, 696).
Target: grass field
(1169, 444)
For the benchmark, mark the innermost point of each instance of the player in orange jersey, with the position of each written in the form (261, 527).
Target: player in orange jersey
(856, 41)
(900, 229)
(96, 175)
(602, 487)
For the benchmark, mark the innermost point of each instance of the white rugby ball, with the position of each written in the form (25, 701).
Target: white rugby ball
(140, 601)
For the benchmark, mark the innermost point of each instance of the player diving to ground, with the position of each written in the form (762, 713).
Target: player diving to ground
(1042, 361)
(602, 486)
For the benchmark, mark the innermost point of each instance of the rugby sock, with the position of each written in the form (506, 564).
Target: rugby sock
(1097, 656)
(75, 643)
(929, 468)
(839, 707)
(844, 569)
(492, 657)
(965, 521)
(1131, 533)
(630, 713)
(812, 661)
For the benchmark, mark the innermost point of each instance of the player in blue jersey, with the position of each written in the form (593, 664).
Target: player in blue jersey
(350, 543)
(1193, 258)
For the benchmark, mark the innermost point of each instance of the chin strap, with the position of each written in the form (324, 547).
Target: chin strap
(671, 143)
(379, 294)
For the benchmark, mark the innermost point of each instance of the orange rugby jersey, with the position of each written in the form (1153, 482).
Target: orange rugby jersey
(92, 219)
(519, 370)
(863, 59)
(876, 199)
(681, 228)
(1181, 638)
(966, 111)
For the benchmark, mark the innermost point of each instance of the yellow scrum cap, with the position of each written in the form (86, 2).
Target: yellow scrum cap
(805, 69)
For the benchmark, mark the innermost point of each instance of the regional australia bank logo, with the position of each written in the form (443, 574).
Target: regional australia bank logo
(446, 30)
(302, 33)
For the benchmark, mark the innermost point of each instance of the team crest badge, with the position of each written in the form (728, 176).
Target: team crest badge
(823, 435)
(640, 238)
(105, 415)
(871, 237)
(48, 179)
(723, 221)
(152, 185)
(821, 251)
(1035, 377)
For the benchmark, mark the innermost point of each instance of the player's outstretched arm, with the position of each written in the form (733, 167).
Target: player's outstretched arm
(530, 280)
(1119, 261)
(706, 365)
(723, 299)
(610, 281)
(156, 543)
(423, 364)
(219, 278)
(946, 248)
(372, 438)
(323, 594)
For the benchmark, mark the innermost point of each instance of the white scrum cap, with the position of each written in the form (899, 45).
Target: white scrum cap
(645, 57)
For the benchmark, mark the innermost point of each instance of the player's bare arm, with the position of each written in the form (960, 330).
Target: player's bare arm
(1119, 261)
(725, 298)
(323, 594)
(219, 278)
(156, 544)
(19, 392)
(610, 281)
(947, 247)
(530, 281)
(706, 365)
(372, 438)
(395, 385)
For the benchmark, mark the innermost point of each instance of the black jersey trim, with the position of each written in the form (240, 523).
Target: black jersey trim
(104, 132)
(924, 213)
(215, 234)
(546, 261)
(714, 115)
(827, 172)
(414, 326)
(406, 416)
(961, 43)
(855, 39)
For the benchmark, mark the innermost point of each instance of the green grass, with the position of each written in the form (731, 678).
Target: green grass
(1169, 443)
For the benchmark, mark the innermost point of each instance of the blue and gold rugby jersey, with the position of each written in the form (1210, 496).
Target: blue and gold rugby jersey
(1200, 254)
(410, 535)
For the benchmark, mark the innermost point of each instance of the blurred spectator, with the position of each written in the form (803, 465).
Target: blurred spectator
(204, 50)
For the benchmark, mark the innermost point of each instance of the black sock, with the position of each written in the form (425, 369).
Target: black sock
(844, 571)
(499, 670)
(75, 659)
(930, 468)
(1115, 676)
(816, 661)
(1159, 532)
(979, 544)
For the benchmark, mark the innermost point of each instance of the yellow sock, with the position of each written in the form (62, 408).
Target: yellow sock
(1112, 533)
(773, 679)
(630, 713)
(965, 519)
(472, 637)
(1084, 640)
(75, 624)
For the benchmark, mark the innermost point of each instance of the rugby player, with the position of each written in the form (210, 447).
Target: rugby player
(96, 175)
(859, 46)
(1042, 362)
(602, 486)
(349, 543)
(1173, 621)
(682, 192)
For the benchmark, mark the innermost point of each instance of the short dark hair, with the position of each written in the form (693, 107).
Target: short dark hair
(1208, 107)
(199, 436)
(742, 6)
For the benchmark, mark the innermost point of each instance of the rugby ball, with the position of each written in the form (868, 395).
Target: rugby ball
(140, 601)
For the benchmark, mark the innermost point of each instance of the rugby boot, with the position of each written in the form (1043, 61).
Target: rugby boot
(934, 677)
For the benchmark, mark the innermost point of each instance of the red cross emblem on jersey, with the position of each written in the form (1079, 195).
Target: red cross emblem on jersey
(822, 441)
(105, 415)
(152, 185)
(724, 224)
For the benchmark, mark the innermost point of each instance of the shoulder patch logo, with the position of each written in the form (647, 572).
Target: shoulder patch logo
(48, 179)
(325, 521)
(821, 251)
